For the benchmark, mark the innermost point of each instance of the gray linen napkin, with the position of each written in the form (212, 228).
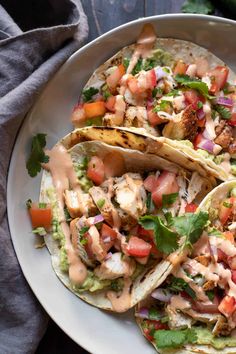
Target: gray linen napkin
(46, 34)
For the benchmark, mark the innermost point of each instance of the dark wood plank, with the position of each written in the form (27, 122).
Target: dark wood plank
(157, 7)
(104, 15)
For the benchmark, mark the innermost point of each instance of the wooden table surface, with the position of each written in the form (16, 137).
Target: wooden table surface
(104, 15)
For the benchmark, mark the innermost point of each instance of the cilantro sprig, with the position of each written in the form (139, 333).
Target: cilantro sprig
(223, 111)
(166, 236)
(190, 225)
(194, 83)
(89, 93)
(169, 199)
(165, 239)
(37, 155)
(179, 284)
(174, 338)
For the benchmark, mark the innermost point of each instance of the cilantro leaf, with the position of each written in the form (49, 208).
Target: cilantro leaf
(198, 7)
(174, 338)
(89, 93)
(178, 284)
(37, 155)
(210, 294)
(165, 239)
(223, 111)
(193, 83)
(169, 199)
(138, 67)
(190, 225)
(126, 62)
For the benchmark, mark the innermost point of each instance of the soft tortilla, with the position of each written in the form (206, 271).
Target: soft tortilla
(135, 161)
(188, 52)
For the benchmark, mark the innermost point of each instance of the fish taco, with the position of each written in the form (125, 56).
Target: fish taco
(173, 90)
(194, 309)
(99, 197)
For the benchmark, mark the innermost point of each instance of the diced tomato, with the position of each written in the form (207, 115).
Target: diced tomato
(114, 78)
(180, 68)
(218, 77)
(201, 122)
(151, 326)
(40, 216)
(108, 236)
(94, 109)
(232, 120)
(96, 170)
(202, 67)
(229, 236)
(151, 79)
(153, 117)
(198, 139)
(114, 164)
(227, 305)
(207, 308)
(138, 247)
(166, 184)
(110, 103)
(150, 183)
(133, 86)
(190, 208)
(146, 234)
(225, 211)
(191, 96)
(78, 115)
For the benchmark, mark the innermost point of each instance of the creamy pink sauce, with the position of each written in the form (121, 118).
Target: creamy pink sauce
(144, 45)
(225, 245)
(63, 175)
(122, 302)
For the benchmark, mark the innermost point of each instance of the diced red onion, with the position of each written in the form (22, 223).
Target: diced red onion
(160, 73)
(206, 134)
(164, 114)
(150, 103)
(107, 239)
(225, 101)
(97, 219)
(109, 255)
(143, 313)
(161, 295)
(207, 145)
(200, 113)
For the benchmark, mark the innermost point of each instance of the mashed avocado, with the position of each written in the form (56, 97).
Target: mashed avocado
(205, 154)
(162, 57)
(205, 337)
(187, 143)
(218, 159)
(92, 283)
(63, 260)
(81, 172)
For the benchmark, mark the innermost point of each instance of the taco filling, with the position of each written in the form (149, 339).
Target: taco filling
(196, 304)
(99, 196)
(191, 99)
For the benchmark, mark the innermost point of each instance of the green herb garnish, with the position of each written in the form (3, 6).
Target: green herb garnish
(37, 155)
(40, 231)
(223, 111)
(193, 83)
(169, 199)
(149, 203)
(42, 205)
(89, 93)
(178, 284)
(174, 338)
(210, 294)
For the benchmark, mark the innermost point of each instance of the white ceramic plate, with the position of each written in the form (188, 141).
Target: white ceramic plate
(96, 331)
